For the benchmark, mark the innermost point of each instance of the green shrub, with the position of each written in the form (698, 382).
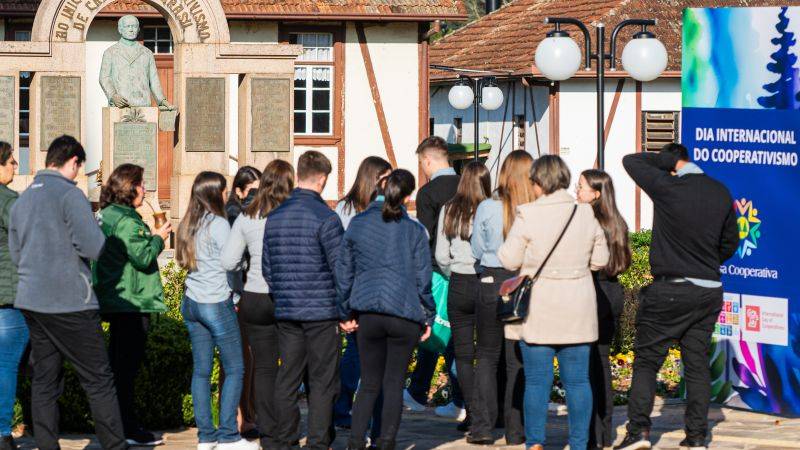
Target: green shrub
(633, 280)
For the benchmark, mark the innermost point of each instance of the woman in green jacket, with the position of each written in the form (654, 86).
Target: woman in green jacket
(128, 285)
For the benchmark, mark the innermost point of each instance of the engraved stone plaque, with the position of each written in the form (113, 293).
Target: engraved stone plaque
(60, 103)
(7, 110)
(271, 114)
(136, 143)
(205, 114)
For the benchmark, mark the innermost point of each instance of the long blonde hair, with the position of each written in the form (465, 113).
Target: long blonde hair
(513, 186)
(206, 198)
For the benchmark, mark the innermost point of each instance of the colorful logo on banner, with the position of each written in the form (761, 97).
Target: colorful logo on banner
(749, 227)
(740, 120)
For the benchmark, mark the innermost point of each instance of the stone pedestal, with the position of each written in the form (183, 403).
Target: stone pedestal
(130, 135)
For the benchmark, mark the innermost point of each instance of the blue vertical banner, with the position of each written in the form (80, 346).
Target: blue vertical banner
(741, 124)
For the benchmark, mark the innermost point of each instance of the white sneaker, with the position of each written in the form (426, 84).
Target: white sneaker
(206, 446)
(411, 404)
(241, 444)
(451, 411)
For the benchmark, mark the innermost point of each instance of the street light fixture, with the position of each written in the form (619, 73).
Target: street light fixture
(485, 94)
(558, 58)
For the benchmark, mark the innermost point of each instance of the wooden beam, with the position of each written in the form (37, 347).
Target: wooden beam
(340, 67)
(554, 111)
(424, 89)
(638, 118)
(376, 95)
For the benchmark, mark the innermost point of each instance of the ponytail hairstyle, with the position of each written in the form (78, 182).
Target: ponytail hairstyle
(614, 226)
(277, 182)
(514, 186)
(474, 187)
(206, 198)
(399, 185)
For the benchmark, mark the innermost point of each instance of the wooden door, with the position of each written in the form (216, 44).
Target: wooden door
(166, 139)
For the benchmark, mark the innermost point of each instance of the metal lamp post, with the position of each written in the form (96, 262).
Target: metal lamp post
(483, 93)
(558, 58)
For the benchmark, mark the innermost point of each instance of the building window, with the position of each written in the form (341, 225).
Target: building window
(520, 127)
(25, 79)
(457, 126)
(431, 125)
(313, 84)
(22, 35)
(659, 128)
(158, 39)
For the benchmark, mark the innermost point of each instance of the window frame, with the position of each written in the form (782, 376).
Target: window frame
(158, 40)
(334, 137)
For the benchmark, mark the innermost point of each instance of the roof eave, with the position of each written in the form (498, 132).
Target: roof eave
(312, 16)
(436, 78)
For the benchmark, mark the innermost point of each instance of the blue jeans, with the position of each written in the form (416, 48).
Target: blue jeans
(13, 340)
(573, 363)
(215, 325)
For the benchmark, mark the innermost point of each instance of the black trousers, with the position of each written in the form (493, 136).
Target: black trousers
(311, 348)
(257, 315)
(462, 299)
(385, 345)
(488, 351)
(610, 302)
(78, 338)
(126, 352)
(670, 312)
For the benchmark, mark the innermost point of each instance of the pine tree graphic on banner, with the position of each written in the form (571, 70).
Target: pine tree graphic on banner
(784, 90)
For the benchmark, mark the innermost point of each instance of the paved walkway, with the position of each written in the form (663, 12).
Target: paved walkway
(731, 429)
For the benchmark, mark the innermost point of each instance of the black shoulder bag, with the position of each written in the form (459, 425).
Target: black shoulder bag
(515, 293)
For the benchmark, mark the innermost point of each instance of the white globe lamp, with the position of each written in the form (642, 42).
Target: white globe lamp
(461, 95)
(558, 56)
(644, 57)
(491, 96)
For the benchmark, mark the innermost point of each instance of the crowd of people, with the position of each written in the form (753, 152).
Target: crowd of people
(275, 277)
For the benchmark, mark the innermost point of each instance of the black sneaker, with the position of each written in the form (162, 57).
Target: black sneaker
(634, 442)
(480, 440)
(7, 443)
(142, 438)
(693, 444)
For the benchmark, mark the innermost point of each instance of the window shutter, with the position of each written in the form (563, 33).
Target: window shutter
(659, 128)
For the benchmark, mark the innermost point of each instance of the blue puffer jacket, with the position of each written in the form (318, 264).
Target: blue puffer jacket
(301, 242)
(385, 268)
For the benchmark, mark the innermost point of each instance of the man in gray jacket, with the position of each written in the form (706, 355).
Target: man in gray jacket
(52, 237)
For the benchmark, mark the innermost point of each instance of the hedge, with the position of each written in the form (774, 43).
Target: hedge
(163, 386)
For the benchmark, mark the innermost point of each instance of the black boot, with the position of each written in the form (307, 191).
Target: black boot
(693, 444)
(7, 443)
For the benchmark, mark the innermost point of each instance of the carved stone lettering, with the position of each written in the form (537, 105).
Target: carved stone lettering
(7, 110)
(271, 114)
(136, 143)
(60, 103)
(205, 114)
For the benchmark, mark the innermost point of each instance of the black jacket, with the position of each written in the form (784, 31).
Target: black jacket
(430, 200)
(694, 224)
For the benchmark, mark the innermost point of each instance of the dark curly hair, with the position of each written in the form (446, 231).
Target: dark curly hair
(121, 185)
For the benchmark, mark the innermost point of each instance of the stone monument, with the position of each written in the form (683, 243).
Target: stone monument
(128, 77)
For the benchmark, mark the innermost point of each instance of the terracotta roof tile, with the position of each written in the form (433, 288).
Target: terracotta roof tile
(506, 40)
(432, 9)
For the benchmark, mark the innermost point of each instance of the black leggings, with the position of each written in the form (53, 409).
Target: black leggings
(385, 345)
(126, 348)
(257, 314)
(462, 299)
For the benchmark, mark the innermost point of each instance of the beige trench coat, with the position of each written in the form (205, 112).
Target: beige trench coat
(563, 305)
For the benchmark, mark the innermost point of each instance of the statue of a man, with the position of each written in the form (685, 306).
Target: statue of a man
(128, 72)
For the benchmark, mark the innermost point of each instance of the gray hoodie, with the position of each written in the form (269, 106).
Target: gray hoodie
(52, 236)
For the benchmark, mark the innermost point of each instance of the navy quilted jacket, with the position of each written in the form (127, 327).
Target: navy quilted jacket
(301, 242)
(385, 267)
